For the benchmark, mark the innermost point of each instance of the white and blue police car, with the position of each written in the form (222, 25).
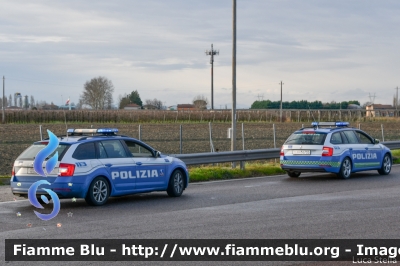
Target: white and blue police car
(95, 164)
(333, 147)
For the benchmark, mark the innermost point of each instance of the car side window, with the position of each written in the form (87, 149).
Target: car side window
(111, 149)
(137, 150)
(351, 137)
(336, 138)
(85, 151)
(364, 138)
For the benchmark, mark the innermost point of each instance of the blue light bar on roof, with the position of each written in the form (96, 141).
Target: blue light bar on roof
(107, 130)
(337, 124)
(92, 130)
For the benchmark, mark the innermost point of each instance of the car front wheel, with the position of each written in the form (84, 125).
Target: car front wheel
(176, 184)
(345, 169)
(98, 192)
(386, 165)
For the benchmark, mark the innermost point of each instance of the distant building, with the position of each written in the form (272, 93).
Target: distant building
(132, 106)
(353, 106)
(186, 107)
(374, 110)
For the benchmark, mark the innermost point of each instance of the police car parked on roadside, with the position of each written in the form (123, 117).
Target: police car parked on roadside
(96, 163)
(333, 147)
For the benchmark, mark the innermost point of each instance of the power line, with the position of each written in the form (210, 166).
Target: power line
(372, 98)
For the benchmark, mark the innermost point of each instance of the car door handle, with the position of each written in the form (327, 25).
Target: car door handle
(366, 148)
(138, 163)
(350, 149)
(108, 164)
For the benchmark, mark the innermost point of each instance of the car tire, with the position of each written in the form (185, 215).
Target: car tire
(386, 165)
(345, 169)
(294, 174)
(176, 184)
(98, 192)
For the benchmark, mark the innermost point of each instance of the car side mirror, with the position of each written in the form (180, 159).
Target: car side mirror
(376, 141)
(158, 154)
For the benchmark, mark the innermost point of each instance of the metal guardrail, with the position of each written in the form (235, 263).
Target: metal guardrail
(245, 155)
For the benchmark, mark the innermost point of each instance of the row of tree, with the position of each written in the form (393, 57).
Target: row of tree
(303, 104)
(97, 94)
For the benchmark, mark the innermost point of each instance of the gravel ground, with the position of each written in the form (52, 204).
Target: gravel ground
(6, 195)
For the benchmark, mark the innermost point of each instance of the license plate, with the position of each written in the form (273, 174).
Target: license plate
(301, 152)
(31, 171)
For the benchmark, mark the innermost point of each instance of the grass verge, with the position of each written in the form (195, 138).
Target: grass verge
(4, 180)
(396, 156)
(207, 173)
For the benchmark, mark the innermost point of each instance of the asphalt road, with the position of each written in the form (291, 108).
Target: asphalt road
(312, 207)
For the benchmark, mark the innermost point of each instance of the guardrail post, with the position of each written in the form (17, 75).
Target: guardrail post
(273, 129)
(140, 132)
(40, 129)
(180, 139)
(242, 163)
(383, 137)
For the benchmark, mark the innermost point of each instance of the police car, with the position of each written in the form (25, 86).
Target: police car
(333, 147)
(95, 164)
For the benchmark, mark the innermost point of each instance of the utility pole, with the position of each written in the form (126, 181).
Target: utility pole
(281, 102)
(233, 139)
(212, 52)
(397, 98)
(2, 109)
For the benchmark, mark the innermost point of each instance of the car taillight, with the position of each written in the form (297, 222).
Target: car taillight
(327, 151)
(66, 169)
(13, 171)
(282, 153)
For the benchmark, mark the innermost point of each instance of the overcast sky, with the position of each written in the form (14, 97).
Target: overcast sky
(322, 50)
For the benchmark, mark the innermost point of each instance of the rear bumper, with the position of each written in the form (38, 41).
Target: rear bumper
(67, 188)
(310, 164)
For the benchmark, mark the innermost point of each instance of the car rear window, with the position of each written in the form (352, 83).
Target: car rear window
(31, 152)
(308, 138)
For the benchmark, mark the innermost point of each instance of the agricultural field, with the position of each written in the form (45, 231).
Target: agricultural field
(196, 137)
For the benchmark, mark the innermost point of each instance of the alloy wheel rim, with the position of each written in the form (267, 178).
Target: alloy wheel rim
(346, 168)
(386, 164)
(100, 191)
(178, 182)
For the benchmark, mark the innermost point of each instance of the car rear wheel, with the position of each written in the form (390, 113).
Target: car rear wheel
(345, 169)
(293, 174)
(98, 192)
(386, 165)
(176, 184)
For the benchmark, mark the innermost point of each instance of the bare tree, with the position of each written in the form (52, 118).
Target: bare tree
(97, 93)
(156, 103)
(200, 102)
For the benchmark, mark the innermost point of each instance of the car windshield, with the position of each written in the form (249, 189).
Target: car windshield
(309, 138)
(31, 152)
